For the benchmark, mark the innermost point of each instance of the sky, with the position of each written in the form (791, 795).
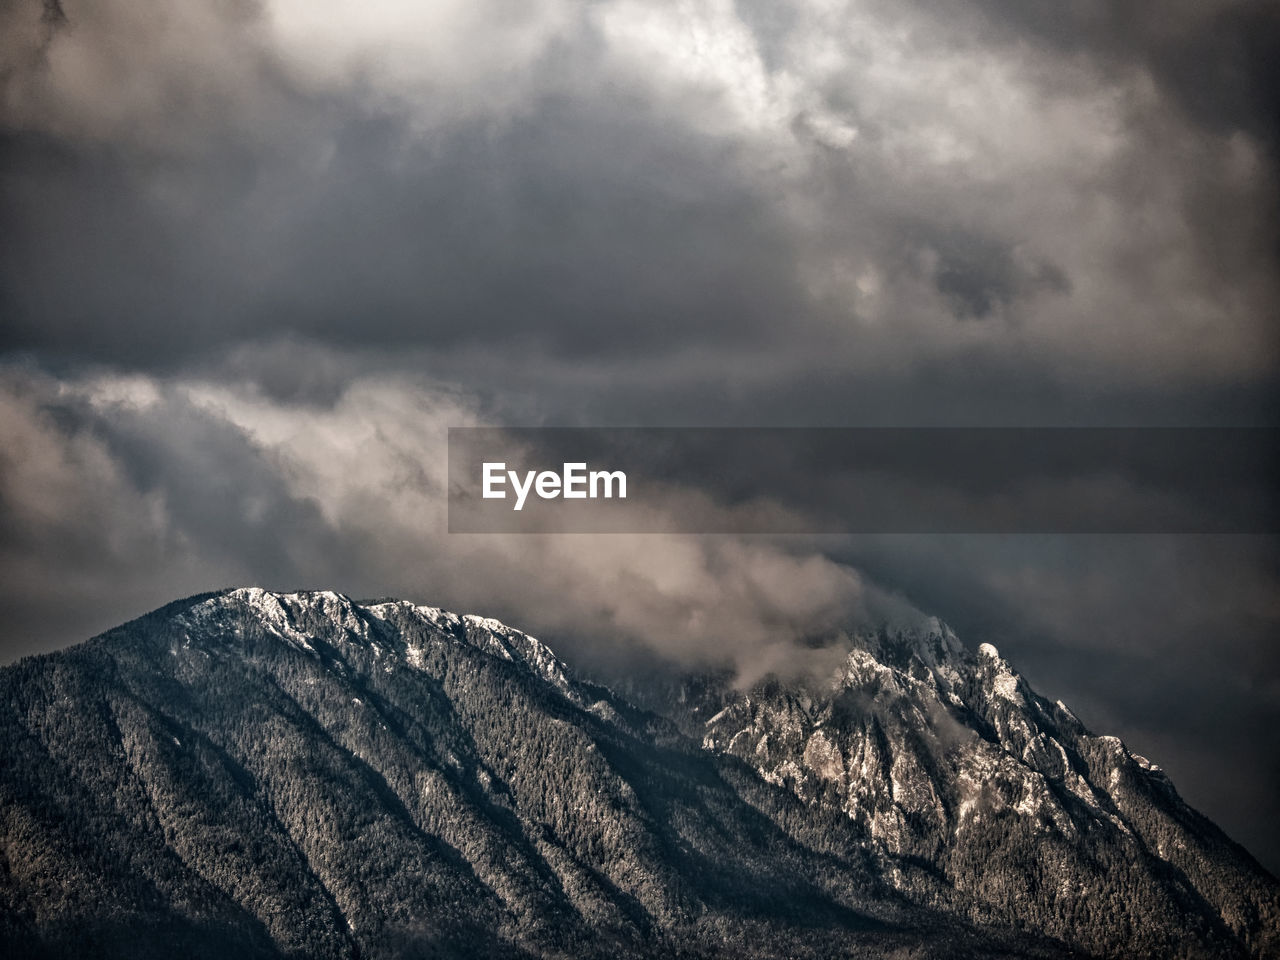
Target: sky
(256, 258)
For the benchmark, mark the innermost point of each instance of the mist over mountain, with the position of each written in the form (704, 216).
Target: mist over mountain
(257, 774)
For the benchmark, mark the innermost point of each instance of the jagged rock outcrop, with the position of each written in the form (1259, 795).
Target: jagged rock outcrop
(948, 757)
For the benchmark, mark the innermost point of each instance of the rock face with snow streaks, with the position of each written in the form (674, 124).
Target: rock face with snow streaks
(948, 757)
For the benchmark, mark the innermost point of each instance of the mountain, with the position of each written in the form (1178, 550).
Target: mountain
(299, 775)
(948, 758)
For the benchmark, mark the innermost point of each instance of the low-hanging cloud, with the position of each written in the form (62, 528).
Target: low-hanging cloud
(166, 486)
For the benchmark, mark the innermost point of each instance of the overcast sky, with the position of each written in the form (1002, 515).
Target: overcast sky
(255, 258)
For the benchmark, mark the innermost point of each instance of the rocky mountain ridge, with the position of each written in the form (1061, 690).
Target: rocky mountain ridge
(265, 774)
(949, 757)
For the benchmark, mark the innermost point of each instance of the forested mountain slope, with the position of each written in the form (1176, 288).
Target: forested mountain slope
(257, 774)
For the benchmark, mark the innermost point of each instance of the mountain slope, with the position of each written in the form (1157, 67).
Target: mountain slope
(948, 757)
(256, 774)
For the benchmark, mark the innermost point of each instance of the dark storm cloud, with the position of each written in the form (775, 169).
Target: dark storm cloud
(506, 239)
(1217, 65)
(635, 183)
(979, 277)
(1218, 59)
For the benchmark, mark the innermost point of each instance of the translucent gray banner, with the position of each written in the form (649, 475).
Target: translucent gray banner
(864, 480)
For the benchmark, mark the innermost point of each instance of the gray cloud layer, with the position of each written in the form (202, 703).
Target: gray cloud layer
(253, 256)
(1092, 195)
(158, 487)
